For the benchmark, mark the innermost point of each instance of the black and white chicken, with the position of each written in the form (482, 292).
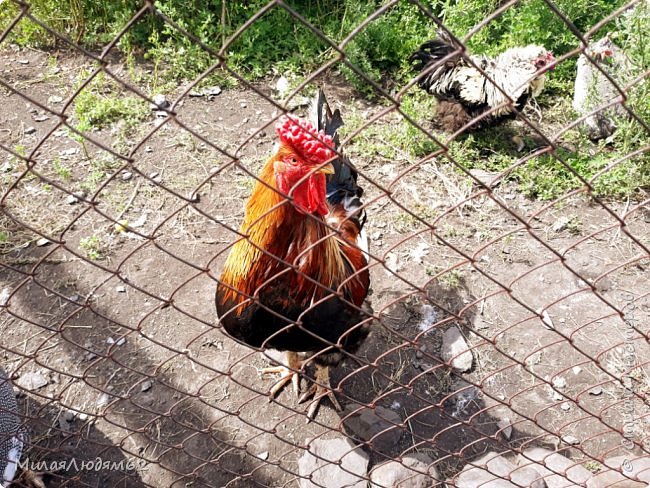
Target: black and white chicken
(593, 89)
(464, 93)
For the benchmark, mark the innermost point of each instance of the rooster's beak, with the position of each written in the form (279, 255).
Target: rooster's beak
(328, 169)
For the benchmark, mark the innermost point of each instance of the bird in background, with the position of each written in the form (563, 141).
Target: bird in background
(593, 89)
(297, 279)
(13, 437)
(464, 93)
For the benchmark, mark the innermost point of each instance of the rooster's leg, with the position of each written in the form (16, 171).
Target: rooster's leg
(287, 373)
(32, 479)
(319, 390)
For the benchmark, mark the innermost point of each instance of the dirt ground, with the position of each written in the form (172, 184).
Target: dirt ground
(122, 325)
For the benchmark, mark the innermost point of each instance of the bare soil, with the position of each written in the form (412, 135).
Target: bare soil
(123, 325)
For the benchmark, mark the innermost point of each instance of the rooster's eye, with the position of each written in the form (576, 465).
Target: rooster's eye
(294, 160)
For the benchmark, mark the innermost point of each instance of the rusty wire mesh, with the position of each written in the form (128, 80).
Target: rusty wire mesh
(114, 344)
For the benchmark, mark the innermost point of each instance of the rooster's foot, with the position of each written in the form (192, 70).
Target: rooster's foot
(287, 374)
(319, 390)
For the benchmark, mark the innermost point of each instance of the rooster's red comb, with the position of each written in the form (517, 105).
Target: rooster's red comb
(301, 135)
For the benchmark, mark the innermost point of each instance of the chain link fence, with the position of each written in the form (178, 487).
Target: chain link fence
(509, 342)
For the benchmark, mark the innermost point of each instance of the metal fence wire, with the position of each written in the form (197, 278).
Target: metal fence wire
(509, 335)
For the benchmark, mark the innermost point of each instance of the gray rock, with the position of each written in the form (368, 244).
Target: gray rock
(31, 381)
(377, 426)
(505, 428)
(415, 471)
(319, 467)
(160, 102)
(30, 130)
(545, 462)
(497, 471)
(454, 349)
(633, 467)
(613, 479)
(478, 474)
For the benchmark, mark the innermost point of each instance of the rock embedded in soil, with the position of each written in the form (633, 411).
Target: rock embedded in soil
(454, 349)
(31, 381)
(547, 463)
(378, 426)
(478, 474)
(505, 428)
(632, 466)
(414, 471)
(319, 466)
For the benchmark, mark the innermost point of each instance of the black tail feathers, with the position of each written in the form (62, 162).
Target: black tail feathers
(342, 187)
(432, 52)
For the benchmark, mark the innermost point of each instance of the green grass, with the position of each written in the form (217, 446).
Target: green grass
(92, 246)
(101, 103)
(277, 43)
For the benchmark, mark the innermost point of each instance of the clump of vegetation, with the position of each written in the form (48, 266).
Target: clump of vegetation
(278, 42)
(92, 246)
(100, 103)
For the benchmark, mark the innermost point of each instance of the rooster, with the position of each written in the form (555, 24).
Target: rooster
(463, 92)
(298, 280)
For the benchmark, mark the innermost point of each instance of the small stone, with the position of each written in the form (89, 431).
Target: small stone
(160, 102)
(54, 99)
(148, 149)
(161, 114)
(41, 118)
(282, 86)
(126, 175)
(263, 455)
(455, 350)
(570, 440)
(596, 390)
(576, 370)
(243, 104)
(121, 341)
(23, 61)
(72, 199)
(30, 130)
(333, 463)
(566, 406)
(505, 428)
(146, 385)
(32, 381)
(212, 92)
(560, 224)
(559, 382)
(42, 242)
(103, 399)
(120, 289)
(557, 397)
(83, 416)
